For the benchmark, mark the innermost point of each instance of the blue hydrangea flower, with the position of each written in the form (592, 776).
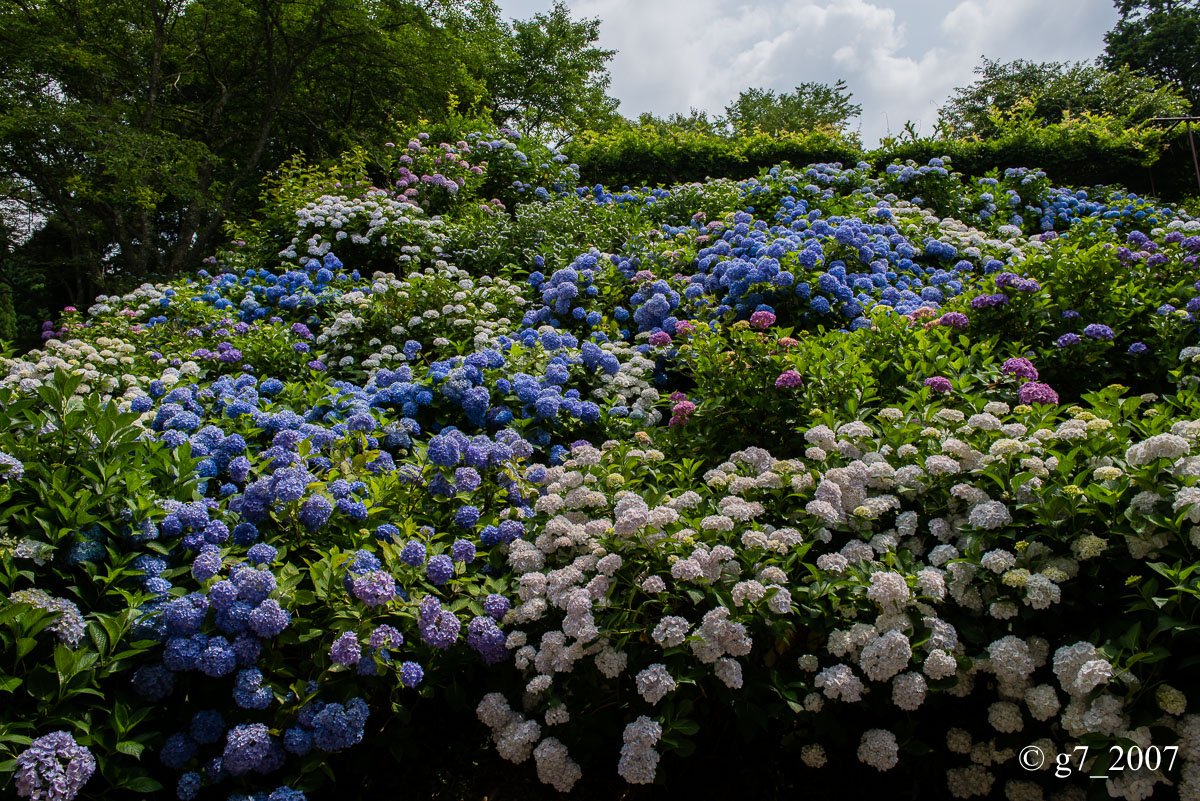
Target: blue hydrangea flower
(315, 512)
(247, 748)
(411, 674)
(177, 751)
(496, 606)
(249, 692)
(413, 553)
(261, 554)
(269, 619)
(207, 726)
(463, 551)
(439, 570)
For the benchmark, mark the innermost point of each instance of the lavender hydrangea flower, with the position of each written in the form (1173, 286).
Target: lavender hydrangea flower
(269, 619)
(1068, 339)
(386, 637)
(53, 768)
(485, 638)
(374, 588)
(207, 563)
(249, 692)
(68, 627)
(10, 468)
(1097, 331)
(439, 627)
(261, 554)
(247, 748)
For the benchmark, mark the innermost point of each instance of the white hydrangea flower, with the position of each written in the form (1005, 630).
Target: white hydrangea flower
(990, 515)
(878, 748)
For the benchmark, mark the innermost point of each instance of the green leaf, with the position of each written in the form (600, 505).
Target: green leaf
(133, 749)
(142, 784)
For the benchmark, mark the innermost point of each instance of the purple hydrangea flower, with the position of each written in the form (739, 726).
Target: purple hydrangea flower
(207, 726)
(939, 383)
(466, 516)
(660, 339)
(439, 627)
(261, 554)
(315, 512)
(955, 320)
(1033, 392)
(463, 551)
(1098, 331)
(1021, 368)
(249, 692)
(336, 727)
(1137, 348)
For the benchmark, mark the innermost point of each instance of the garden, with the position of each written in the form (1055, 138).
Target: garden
(453, 473)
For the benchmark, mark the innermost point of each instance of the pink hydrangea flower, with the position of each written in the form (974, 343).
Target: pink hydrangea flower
(762, 320)
(788, 379)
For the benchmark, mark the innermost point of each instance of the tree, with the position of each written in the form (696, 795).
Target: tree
(140, 125)
(553, 79)
(813, 105)
(695, 121)
(1160, 38)
(1056, 88)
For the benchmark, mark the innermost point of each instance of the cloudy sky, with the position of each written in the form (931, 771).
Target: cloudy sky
(900, 58)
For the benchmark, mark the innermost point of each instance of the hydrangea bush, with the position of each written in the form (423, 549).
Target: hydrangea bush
(448, 461)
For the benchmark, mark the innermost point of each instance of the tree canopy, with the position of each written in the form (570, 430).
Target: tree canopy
(1162, 39)
(136, 128)
(553, 79)
(1056, 89)
(811, 106)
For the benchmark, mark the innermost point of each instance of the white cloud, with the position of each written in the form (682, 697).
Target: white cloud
(900, 58)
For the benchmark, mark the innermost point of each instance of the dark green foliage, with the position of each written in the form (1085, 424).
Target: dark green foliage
(653, 154)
